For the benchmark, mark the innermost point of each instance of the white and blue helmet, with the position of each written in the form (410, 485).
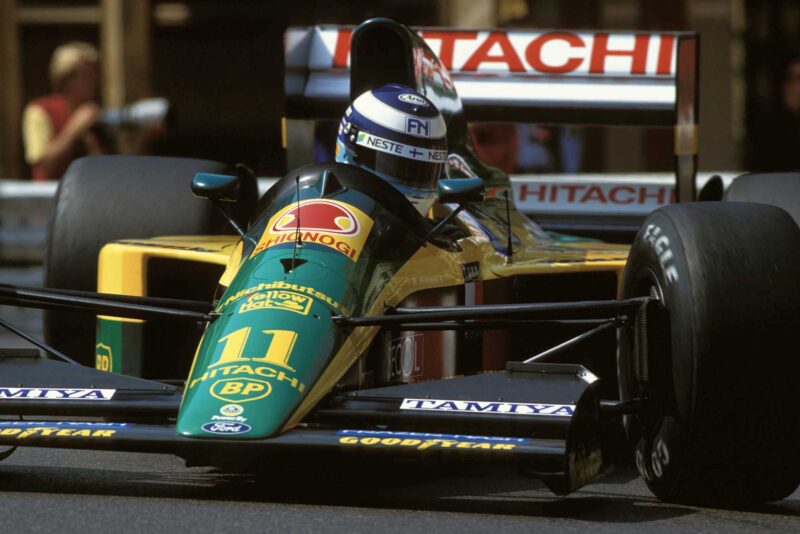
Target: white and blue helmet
(399, 135)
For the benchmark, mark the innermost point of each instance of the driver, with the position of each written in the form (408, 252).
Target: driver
(399, 135)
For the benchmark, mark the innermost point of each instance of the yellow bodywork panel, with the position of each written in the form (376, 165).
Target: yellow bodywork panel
(122, 267)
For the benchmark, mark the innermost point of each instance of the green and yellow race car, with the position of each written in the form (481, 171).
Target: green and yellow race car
(328, 317)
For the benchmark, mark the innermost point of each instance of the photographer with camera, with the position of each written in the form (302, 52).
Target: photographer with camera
(64, 125)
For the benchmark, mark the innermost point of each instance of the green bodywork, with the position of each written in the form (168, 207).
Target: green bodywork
(275, 334)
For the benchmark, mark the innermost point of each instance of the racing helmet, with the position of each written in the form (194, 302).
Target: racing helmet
(399, 135)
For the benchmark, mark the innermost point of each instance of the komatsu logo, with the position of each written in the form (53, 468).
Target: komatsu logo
(504, 408)
(56, 393)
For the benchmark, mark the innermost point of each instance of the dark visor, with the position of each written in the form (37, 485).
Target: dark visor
(406, 171)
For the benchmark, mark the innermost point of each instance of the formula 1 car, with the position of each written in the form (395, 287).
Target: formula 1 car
(343, 322)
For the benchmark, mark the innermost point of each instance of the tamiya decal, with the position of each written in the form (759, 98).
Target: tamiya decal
(489, 407)
(226, 428)
(56, 393)
(333, 224)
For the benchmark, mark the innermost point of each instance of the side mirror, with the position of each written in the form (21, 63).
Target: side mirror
(216, 187)
(460, 190)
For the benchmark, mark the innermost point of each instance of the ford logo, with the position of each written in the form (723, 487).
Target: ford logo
(226, 428)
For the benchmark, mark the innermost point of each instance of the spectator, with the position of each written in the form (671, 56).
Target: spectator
(58, 128)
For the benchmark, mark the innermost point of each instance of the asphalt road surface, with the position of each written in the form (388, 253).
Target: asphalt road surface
(82, 491)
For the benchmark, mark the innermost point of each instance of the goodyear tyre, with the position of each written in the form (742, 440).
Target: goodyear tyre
(101, 199)
(712, 359)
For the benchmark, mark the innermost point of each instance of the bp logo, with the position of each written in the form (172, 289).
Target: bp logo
(240, 389)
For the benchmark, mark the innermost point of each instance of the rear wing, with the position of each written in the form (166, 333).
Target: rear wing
(613, 78)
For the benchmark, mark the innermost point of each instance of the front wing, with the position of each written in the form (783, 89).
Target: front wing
(543, 417)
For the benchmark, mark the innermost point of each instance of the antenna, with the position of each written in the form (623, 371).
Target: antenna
(298, 242)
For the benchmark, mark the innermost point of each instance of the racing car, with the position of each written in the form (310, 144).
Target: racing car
(332, 318)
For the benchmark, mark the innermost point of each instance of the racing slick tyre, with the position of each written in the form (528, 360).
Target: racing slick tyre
(105, 198)
(711, 361)
(781, 189)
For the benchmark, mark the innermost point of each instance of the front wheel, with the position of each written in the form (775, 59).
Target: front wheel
(714, 359)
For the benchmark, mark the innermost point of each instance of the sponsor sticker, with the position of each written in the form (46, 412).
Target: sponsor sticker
(489, 407)
(240, 389)
(457, 167)
(231, 410)
(283, 286)
(277, 300)
(333, 224)
(421, 442)
(471, 271)
(224, 428)
(56, 393)
(411, 98)
(399, 149)
(406, 357)
(49, 429)
(62, 424)
(263, 371)
(429, 435)
(103, 357)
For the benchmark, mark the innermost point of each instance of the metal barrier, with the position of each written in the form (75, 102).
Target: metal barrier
(561, 202)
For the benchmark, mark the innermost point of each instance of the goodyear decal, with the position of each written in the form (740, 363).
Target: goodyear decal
(50, 430)
(282, 287)
(331, 223)
(56, 393)
(277, 300)
(488, 407)
(418, 441)
(244, 371)
(429, 435)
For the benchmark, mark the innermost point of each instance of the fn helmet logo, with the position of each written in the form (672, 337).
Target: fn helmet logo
(417, 126)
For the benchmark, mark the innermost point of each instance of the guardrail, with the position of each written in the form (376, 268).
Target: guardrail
(577, 203)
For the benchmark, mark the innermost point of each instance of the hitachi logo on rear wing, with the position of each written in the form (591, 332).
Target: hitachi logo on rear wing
(504, 408)
(525, 51)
